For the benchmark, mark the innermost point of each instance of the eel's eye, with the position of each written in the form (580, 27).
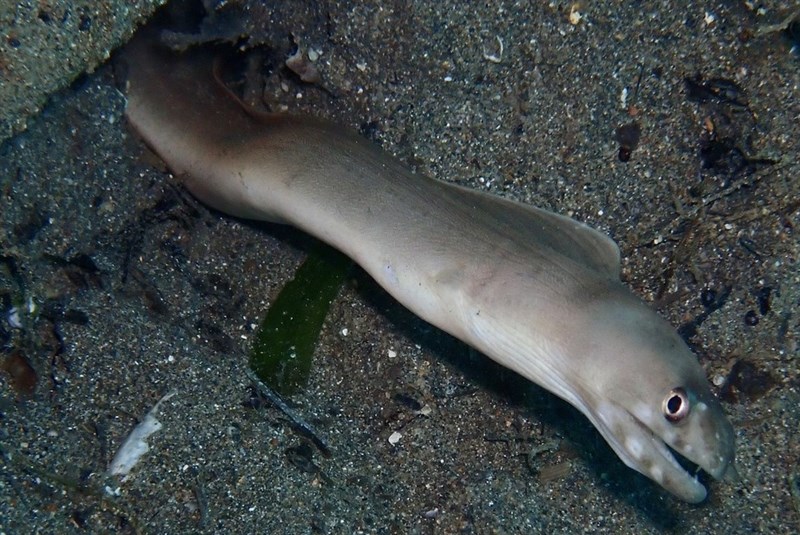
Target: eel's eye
(676, 405)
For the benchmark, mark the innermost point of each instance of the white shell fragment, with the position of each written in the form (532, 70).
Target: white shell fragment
(135, 446)
(495, 58)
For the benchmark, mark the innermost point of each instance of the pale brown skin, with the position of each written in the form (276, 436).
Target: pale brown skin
(537, 292)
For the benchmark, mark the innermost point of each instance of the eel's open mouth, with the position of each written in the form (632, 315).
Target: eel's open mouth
(642, 449)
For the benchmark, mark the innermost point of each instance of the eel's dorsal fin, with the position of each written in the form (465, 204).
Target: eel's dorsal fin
(537, 227)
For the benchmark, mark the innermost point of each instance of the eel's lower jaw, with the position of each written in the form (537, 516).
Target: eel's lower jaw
(662, 466)
(689, 489)
(644, 451)
(722, 472)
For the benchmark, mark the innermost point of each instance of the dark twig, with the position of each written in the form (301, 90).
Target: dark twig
(298, 424)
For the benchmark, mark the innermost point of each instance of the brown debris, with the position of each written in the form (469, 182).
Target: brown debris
(23, 377)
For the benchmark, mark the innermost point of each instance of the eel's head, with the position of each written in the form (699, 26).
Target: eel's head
(646, 393)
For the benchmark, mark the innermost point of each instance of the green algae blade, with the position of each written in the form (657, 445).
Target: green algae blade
(283, 348)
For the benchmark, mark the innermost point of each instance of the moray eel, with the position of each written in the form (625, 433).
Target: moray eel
(537, 292)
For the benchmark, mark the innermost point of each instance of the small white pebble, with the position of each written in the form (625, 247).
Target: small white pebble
(344, 331)
(392, 353)
(394, 438)
(313, 54)
(718, 380)
(361, 66)
(433, 513)
(13, 318)
(575, 15)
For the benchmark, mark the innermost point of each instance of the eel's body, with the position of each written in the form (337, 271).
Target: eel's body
(537, 292)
